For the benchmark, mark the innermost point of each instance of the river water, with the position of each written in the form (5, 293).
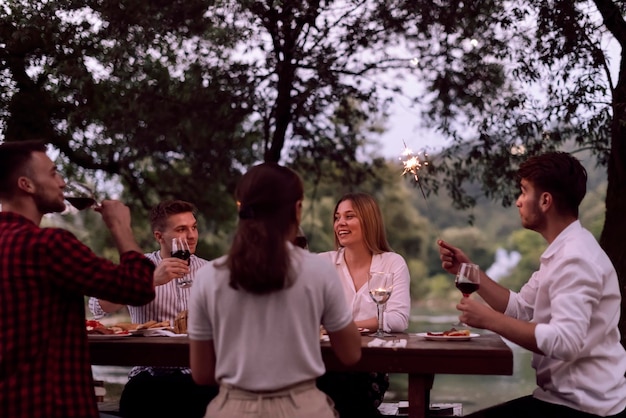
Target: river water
(472, 391)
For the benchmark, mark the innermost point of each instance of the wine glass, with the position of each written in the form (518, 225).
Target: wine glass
(467, 281)
(380, 285)
(80, 195)
(180, 249)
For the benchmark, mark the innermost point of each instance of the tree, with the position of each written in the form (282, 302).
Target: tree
(128, 89)
(154, 91)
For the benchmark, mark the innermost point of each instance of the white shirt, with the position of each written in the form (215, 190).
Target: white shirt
(398, 307)
(267, 342)
(574, 298)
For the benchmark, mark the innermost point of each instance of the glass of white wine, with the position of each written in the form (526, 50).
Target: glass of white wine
(380, 286)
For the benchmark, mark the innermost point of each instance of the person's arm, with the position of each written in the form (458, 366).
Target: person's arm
(99, 308)
(109, 307)
(75, 267)
(477, 315)
(117, 218)
(494, 294)
(370, 323)
(202, 360)
(346, 344)
(165, 272)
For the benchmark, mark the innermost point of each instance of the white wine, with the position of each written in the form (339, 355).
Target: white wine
(380, 296)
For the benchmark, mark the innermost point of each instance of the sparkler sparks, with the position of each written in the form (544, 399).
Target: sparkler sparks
(413, 163)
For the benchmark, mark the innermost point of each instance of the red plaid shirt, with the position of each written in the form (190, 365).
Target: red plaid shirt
(45, 369)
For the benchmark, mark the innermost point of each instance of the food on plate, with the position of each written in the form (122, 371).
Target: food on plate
(96, 327)
(146, 325)
(92, 324)
(128, 326)
(153, 324)
(452, 332)
(180, 323)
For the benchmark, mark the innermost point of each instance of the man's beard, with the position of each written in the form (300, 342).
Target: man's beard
(48, 205)
(536, 220)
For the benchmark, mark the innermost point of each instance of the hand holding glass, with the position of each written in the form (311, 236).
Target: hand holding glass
(180, 249)
(380, 285)
(467, 281)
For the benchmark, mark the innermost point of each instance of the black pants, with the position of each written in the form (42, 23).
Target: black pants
(530, 407)
(171, 395)
(356, 394)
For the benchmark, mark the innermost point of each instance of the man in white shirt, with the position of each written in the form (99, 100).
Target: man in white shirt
(567, 313)
(164, 392)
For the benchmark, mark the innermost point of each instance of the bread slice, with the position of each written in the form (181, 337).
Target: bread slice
(146, 325)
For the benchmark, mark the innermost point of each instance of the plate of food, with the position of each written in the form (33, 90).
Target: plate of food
(449, 335)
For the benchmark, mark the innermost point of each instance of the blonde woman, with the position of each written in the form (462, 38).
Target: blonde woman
(360, 247)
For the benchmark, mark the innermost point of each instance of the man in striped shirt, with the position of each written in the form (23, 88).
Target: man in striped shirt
(169, 219)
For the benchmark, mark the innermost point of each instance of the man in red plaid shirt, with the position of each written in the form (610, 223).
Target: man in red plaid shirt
(44, 274)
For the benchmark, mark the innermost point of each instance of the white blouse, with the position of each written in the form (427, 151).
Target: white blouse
(398, 307)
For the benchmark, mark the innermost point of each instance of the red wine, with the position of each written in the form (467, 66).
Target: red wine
(467, 287)
(81, 203)
(182, 254)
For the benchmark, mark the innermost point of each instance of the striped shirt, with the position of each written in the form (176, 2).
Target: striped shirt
(170, 300)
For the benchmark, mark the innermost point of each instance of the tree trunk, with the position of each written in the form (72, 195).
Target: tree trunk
(613, 238)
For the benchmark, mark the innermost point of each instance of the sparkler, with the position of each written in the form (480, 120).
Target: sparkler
(413, 163)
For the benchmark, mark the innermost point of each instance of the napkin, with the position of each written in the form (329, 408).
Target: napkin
(394, 343)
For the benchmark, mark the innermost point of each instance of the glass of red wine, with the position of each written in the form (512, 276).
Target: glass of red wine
(467, 281)
(180, 249)
(80, 195)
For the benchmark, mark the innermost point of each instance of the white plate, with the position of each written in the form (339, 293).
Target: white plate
(447, 337)
(364, 330)
(144, 330)
(154, 332)
(107, 336)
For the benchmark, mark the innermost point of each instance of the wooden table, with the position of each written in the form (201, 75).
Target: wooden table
(420, 359)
